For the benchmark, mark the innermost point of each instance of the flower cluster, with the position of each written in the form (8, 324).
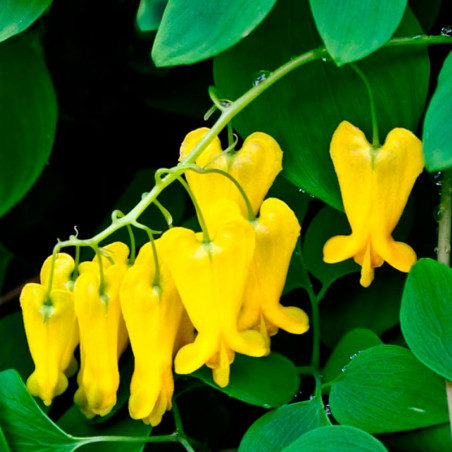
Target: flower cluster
(188, 299)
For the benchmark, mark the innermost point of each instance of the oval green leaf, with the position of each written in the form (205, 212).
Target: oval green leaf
(437, 134)
(18, 15)
(425, 315)
(376, 307)
(26, 427)
(268, 382)
(336, 438)
(353, 29)
(280, 427)
(302, 110)
(348, 348)
(386, 389)
(28, 115)
(150, 14)
(181, 37)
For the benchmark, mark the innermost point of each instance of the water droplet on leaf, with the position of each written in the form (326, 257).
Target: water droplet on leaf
(446, 31)
(327, 410)
(260, 77)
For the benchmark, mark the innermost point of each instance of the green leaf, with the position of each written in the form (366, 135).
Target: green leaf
(268, 382)
(14, 352)
(25, 426)
(75, 423)
(18, 15)
(28, 115)
(437, 135)
(150, 14)
(5, 257)
(350, 345)
(280, 427)
(375, 307)
(425, 315)
(336, 438)
(326, 224)
(435, 439)
(386, 389)
(352, 29)
(426, 12)
(185, 27)
(312, 100)
(3, 444)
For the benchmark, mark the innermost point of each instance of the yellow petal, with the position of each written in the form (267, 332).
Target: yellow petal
(210, 278)
(375, 186)
(254, 166)
(153, 316)
(277, 230)
(50, 326)
(63, 268)
(99, 320)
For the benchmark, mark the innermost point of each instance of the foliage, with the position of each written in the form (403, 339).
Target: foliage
(94, 96)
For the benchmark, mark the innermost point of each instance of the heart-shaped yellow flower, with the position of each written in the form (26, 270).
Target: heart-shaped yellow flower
(154, 316)
(102, 331)
(51, 328)
(254, 166)
(211, 278)
(375, 185)
(277, 230)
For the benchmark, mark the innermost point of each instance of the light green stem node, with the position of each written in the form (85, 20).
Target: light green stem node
(249, 208)
(156, 281)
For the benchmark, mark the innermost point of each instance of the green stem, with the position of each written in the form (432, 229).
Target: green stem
(132, 245)
(373, 110)
(444, 237)
(183, 439)
(101, 270)
(249, 208)
(199, 214)
(165, 212)
(227, 113)
(127, 439)
(230, 135)
(156, 281)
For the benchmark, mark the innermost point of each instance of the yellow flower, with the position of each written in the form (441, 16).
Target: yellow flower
(277, 230)
(254, 166)
(103, 336)
(375, 186)
(153, 315)
(210, 278)
(51, 329)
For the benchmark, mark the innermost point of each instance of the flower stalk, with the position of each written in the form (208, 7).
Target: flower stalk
(444, 237)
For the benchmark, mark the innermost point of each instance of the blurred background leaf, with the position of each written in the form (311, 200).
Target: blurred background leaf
(437, 134)
(268, 382)
(28, 115)
(18, 15)
(150, 14)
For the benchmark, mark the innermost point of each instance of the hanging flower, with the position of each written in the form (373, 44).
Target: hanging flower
(211, 277)
(156, 320)
(277, 230)
(254, 166)
(103, 335)
(375, 185)
(51, 328)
